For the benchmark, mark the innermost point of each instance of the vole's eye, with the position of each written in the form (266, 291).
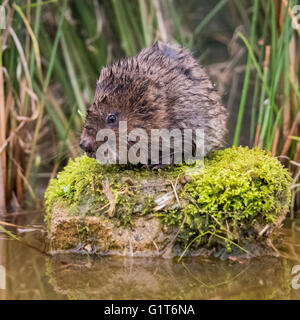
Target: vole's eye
(111, 119)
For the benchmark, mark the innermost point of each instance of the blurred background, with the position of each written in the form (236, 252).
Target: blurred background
(51, 54)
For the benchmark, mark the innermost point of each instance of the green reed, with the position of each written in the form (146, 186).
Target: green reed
(52, 53)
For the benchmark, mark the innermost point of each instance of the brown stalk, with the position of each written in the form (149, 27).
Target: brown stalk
(297, 153)
(287, 143)
(286, 118)
(257, 134)
(18, 154)
(275, 141)
(12, 124)
(293, 75)
(2, 137)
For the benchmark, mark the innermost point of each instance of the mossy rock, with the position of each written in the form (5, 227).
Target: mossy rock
(238, 198)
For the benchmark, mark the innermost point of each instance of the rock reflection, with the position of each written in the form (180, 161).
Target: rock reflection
(143, 278)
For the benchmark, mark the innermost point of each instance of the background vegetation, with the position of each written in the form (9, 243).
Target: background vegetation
(51, 54)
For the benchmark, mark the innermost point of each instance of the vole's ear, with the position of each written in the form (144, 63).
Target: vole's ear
(165, 49)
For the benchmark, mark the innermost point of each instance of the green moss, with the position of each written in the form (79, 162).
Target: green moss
(244, 182)
(237, 192)
(80, 183)
(79, 187)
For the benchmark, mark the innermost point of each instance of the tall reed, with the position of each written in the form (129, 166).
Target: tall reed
(52, 51)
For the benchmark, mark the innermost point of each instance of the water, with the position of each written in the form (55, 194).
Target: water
(30, 274)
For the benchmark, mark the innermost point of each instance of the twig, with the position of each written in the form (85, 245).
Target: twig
(110, 196)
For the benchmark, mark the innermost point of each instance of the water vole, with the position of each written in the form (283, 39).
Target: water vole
(162, 87)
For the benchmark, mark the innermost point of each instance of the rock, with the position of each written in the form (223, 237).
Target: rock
(232, 205)
(102, 236)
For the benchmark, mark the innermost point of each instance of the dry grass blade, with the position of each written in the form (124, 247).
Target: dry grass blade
(7, 224)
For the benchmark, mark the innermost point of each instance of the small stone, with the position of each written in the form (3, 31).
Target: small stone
(88, 248)
(187, 178)
(128, 181)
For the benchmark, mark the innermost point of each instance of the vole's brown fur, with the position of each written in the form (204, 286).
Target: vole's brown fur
(161, 87)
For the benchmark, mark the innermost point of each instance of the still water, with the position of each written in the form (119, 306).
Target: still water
(26, 273)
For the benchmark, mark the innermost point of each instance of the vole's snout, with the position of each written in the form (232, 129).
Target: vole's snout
(86, 146)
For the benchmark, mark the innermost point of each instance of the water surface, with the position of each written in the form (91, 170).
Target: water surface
(29, 274)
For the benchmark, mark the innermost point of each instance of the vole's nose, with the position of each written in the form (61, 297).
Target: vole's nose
(86, 146)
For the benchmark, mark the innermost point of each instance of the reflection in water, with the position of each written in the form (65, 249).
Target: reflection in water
(125, 278)
(31, 275)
